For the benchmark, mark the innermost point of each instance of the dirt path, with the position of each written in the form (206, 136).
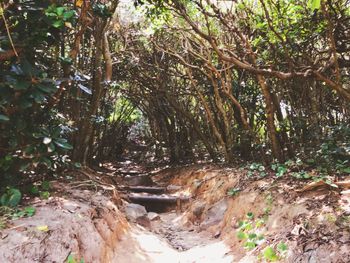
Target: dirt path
(167, 238)
(180, 237)
(150, 247)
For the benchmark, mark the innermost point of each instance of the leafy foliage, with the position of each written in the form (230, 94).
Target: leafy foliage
(10, 213)
(233, 191)
(60, 16)
(11, 197)
(334, 152)
(28, 211)
(248, 230)
(256, 169)
(280, 169)
(71, 259)
(270, 254)
(32, 132)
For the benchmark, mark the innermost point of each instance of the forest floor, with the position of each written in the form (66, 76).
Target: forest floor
(202, 213)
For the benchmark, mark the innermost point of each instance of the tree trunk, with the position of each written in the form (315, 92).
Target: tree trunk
(86, 129)
(270, 119)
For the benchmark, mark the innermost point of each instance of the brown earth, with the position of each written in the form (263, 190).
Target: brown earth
(89, 224)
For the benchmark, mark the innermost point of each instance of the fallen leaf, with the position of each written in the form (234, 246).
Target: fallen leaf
(321, 183)
(313, 185)
(44, 228)
(79, 3)
(68, 24)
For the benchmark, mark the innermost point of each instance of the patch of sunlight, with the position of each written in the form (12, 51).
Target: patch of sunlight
(183, 193)
(151, 248)
(154, 249)
(215, 252)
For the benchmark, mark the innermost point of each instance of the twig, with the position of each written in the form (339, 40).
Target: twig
(8, 30)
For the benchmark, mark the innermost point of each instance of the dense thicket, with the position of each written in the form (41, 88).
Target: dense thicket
(255, 80)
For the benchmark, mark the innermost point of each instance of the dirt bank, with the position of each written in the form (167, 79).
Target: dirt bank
(84, 224)
(313, 226)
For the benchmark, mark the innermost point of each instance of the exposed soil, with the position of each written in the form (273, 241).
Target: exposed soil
(81, 223)
(85, 219)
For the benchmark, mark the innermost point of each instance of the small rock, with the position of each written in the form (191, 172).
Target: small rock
(215, 214)
(135, 211)
(198, 209)
(143, 221)
(217, 234)
(153, 216)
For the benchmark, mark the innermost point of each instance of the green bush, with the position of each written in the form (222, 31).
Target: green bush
(32, 133)
(334, 152)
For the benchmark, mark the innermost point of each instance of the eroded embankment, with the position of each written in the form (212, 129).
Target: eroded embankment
(278, 215)
(80, 223)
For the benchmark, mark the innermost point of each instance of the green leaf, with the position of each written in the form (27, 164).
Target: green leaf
(260, 237)
(261, 168)
(252, 236)
(315, 4)
(233, 191)
(48, 88)
(270, 254)
(250, 215)
(11, 197)
(21, 85)
(24, 167)
(58, 23)
(34, 190)
(346, 170)
(4, 118)
(282, 247)
(46, 185)
(247, 227)
(45, 195)
(68, 14)
(249, 245)
(24, 103)
(30, 211)
(38, 97)
(66, 60)
(51, 148)
(274, 167)
(63, 144)
(28, 69)
(259, 223)
(77, 165)
(241, 235)
(310, 161)
(60, 10)
(71, 259)
(46, 161)
(281, 170)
